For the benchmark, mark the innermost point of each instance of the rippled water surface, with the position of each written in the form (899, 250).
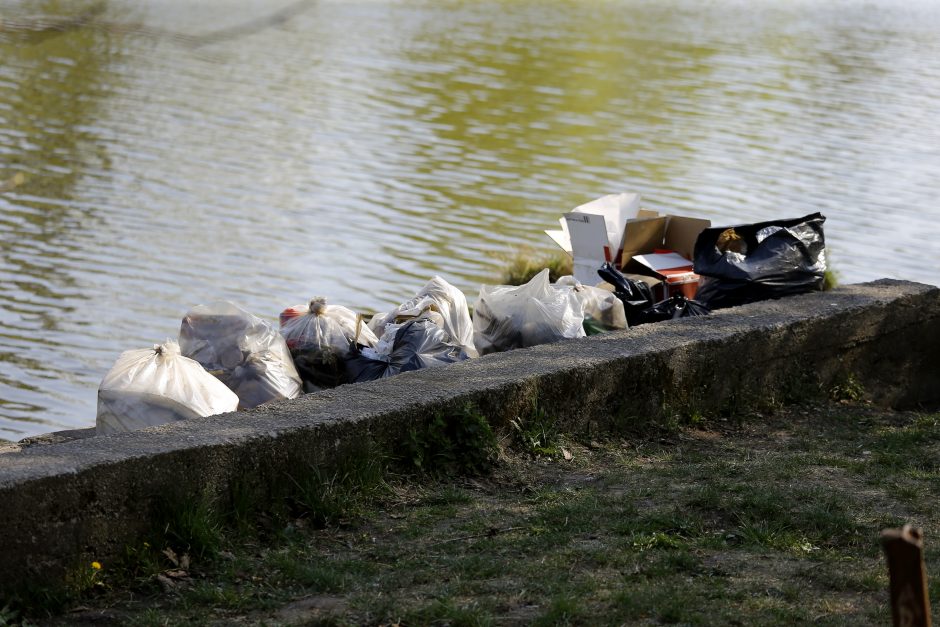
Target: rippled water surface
(156, 154)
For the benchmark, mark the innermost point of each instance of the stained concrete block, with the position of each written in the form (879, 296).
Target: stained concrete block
(66, 503)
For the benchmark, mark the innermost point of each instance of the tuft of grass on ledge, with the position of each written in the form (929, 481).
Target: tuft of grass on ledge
(524, 264)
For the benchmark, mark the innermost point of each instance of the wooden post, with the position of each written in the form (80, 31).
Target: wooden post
(904, 551)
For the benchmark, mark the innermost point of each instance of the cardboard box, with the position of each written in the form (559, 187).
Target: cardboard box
(614, 228)
(662, 247)
(592, 233)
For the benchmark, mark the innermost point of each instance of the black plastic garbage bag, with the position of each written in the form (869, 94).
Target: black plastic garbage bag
(635, 295)
(411, 346)
(751, 262)
(677, 306)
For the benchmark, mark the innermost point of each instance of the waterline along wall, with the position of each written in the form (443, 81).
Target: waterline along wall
(68, 503)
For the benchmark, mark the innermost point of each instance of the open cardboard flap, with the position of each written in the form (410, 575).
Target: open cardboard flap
(592, 232)
(648, 234)
(589, 240)
(682, 232)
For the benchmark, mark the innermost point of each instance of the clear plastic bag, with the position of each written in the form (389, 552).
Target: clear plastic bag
(246, 353)
(440, 302)
(321, 338)
(414, 345)
(507, 317)
(153, 386)
(600, 305)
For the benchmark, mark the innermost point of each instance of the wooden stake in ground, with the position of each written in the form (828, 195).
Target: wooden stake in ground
(904, 550)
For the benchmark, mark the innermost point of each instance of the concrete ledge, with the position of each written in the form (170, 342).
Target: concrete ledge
(67, 503)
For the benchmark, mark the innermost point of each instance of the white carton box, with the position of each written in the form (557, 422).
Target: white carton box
(592, 233)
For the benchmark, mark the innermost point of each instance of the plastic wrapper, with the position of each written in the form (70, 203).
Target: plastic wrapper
(243, 351)
(321, 338)
(153, 386)
(782, 257)
(635, 295)
(413, 345)
(507, 317)
(441, 302)
(673, 308)
(599, 305)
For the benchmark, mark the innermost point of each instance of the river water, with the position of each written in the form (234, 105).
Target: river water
(165, 153)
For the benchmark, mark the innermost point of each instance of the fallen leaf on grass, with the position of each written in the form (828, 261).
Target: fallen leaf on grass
(173, 579)
(166, 583)
(176, 574)
(171, 555)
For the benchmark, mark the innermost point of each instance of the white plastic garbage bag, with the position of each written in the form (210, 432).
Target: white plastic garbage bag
(507, 317)
(246, 353)
(153, 386)
(440, 302)
(598, 304)
(320, 338)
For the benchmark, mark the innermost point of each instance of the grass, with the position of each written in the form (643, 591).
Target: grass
(770, 522)
(459, 443)
(526, 263)
(536, 434)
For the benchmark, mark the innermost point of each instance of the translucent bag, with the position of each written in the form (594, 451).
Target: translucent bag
(153, 386)
(507, 317)
(413, 345)
(441, 302)
(321, 339)
(601, 306)
(246, 353)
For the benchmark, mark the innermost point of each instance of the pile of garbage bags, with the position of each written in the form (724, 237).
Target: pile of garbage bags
(227, 359)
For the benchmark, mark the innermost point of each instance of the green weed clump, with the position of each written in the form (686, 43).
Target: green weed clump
(8, 616)
(460, 442)
(192, 526)
(536, 435)
(324, 496)
(526, 263)
(847, 389)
